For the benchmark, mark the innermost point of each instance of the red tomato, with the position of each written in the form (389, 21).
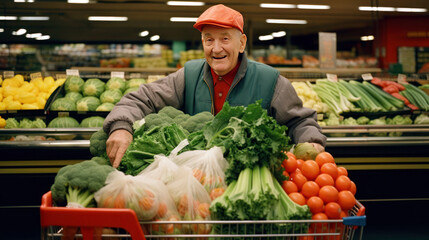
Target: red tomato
(353, 188)
(299, 162)
(328, 194)
(310, 169)
(342, 171)
(310, 189)
(324, 179)
(315, 204)
(321, 227)
(331, 169)
(289, 187)
(298, 179)
(333, 210)
(290, 164)
(324, 157)
(346, 199)
(343, 183)
(297, 198)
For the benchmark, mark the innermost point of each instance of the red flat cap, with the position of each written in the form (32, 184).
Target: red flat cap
(222, 16)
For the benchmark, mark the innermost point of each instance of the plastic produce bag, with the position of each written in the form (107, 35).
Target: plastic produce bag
(191, 199)
(208, 167)
(146, 196)
(162, 169)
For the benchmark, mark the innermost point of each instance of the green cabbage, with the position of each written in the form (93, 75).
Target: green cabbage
(73, 84)
(95, 121)
(38, 123)
(87, 104)
(63, 122)
(111, 96)
(93, 87)
(12, 123)
(63, 104)
(133, 89)
(73, 96)
(422, 119)
(25, 123)
(135, 82)
(105, 107)
(116, 83)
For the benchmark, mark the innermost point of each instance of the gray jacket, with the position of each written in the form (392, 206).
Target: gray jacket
(286, 107)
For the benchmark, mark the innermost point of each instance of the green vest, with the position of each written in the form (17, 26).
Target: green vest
(258, 83)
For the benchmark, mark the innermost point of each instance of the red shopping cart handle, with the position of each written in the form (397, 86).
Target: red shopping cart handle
(89, 218)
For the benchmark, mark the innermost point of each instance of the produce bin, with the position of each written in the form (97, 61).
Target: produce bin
(123, 224)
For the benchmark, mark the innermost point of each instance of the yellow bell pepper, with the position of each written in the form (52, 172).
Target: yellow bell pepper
(14, 105)
(11, 82)
(26, 97)
(10, 91)
(38, 82)
(1, 96)
(2, 122)
(30, 106)
(41, 102)
(2, 106)
(60, 81)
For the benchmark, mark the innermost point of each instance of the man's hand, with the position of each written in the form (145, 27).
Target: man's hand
(318, 147)
(117, 144)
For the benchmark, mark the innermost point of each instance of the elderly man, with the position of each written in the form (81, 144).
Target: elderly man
(204, 85)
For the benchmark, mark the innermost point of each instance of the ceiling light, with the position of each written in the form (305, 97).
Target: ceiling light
(265, 37)
(1, 30)
(8, 18)
(184, 3)
(279, 34)
(77, 1)
(144, 33)
(183, 19)
(23, 1)
(107, 18)
(44, 37)
(377, 9)
(33, 35)
(367, 38)
(308, 6)
(34, 18)
(20, 31)
(275, 5)
(286, 21)
(411, 10)
(154, 38)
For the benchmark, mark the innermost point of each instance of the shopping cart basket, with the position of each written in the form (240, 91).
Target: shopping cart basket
(123, 224)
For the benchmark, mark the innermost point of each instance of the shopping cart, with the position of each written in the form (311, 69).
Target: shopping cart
(108, 223)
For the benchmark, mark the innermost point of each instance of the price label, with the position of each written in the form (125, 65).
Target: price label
(135, 75)
(117, 74)
(367, 76)
(8, 74)
(63, 114)
(60, 76)
(332, 77)
(402, 78)
(72, 72)
(35, 75)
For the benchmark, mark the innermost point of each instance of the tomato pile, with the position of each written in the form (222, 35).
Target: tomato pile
(321, 184)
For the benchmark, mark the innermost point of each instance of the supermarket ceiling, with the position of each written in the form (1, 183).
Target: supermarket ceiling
(69, 22)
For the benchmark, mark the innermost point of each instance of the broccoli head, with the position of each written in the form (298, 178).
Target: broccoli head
(77, 183)
(171, 112)
(156, 119)
(97, 144)
(197, 122)
(101, 160)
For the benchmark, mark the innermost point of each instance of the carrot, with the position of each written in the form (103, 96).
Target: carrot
(119, 201)
(217, 192)
(162, 210)
(146, 203)
(149, 193)
(203, 210)
(107, 202)
(198, 174)
(182, 207)
(400, 97)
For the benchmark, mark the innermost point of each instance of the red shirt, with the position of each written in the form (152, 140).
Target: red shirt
(221, 87)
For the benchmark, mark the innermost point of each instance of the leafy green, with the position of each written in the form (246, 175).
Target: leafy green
(93, 87)
(12, 123)
(105, 107)
(422, 119)
(73, 84)
(256, 195)
(116, 83)
(63, 104)
(73, 96)
(248, 138)
(111, 96)
(63, 122)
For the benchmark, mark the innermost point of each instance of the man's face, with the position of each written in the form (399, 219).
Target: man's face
(222, 47)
